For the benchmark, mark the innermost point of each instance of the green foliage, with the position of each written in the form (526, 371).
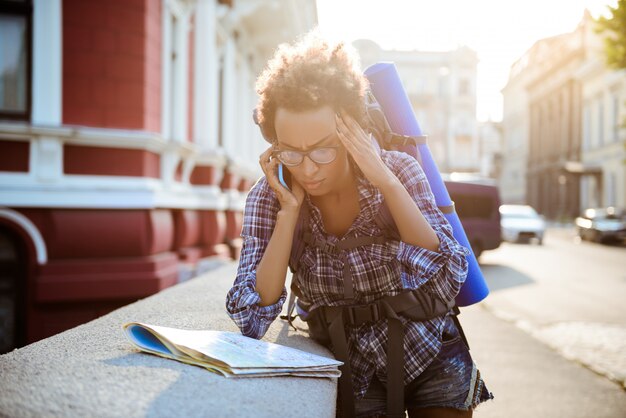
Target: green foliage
(614, 26)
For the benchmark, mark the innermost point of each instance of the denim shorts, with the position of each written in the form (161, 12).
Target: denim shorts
(450, 381)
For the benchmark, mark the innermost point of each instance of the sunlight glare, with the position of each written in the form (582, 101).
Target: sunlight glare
(499, 31)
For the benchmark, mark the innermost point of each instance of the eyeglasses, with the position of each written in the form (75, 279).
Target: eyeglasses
(322, 155)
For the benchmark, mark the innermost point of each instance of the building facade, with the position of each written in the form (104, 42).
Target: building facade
(563, 126)
(555, 127)
(603, 162)
(442, 89)
(515, 128)
(126, 147)
(490, 149)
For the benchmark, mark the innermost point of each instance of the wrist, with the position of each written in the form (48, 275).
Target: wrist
(288, 215)
(389, 183)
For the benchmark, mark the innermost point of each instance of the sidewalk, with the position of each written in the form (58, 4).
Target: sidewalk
(92, 371)
(528, 379)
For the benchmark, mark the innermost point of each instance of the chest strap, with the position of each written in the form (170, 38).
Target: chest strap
(340, 249)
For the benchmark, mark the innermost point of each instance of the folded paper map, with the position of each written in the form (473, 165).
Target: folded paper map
(229, 354)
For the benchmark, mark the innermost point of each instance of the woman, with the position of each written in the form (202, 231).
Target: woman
(312, 108)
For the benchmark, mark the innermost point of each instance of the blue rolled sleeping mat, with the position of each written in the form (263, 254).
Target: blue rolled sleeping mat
(386, 86)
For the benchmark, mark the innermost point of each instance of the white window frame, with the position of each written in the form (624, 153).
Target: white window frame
(206, 76)
(174, 107)
(47, 62)
(615, 121)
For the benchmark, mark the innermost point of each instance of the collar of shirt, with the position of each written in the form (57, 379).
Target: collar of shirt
(370, 199)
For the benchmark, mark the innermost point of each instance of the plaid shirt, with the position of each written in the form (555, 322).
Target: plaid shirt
(377, 270)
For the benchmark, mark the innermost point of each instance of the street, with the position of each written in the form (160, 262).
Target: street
(550, 339)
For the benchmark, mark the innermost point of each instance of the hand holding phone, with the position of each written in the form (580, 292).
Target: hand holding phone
(279, 178)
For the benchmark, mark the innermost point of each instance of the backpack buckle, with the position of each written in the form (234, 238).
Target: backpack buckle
(400, 140)
(363, 314)
(328, 248)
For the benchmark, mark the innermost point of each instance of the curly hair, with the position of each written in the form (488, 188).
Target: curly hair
(309, 74)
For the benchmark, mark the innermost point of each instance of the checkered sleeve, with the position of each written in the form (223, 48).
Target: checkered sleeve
(242, 301)
(442, 272)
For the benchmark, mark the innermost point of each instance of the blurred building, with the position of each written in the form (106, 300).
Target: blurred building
(555, 127)
(490, 149)
(442, 89)
(126, 147)
(603, 163)
(561, 125)
(515, 129)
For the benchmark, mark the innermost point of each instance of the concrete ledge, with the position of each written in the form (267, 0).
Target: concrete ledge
(92, 370)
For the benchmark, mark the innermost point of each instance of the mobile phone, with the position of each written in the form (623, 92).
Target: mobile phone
(284, 176)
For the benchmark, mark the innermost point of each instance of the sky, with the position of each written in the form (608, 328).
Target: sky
(500, 31)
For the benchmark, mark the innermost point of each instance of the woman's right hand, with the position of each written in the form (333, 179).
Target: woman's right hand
(289, 200)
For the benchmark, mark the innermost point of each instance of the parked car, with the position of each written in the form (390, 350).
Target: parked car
(476, 202)
(602, 224)
(521, 223)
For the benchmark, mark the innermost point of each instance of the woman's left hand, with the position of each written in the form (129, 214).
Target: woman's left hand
(363, 151)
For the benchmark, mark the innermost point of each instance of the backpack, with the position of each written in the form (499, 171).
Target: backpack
(326, 323)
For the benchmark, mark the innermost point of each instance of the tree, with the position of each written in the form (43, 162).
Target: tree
(615, 41)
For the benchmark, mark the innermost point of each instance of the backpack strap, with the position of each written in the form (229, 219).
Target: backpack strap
(386, 223)
(414, 304)
(405, 143)
(301, 238)
(291, 305)
(395, 363)
(455, 317)
(301, 233)
(385, 137)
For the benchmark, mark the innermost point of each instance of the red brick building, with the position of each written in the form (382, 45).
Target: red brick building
(125, 147)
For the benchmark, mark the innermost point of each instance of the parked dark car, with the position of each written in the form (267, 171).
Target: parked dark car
(602, 224)
(477, 205)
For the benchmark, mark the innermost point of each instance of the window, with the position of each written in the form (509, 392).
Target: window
(174, 69)
(174, 83)
(220, 115)
(463, 149)
(586, 127)
(611, 189)
(615, 117)
(442, 87)
(464, 87)
(600, 122)
(15, 59)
